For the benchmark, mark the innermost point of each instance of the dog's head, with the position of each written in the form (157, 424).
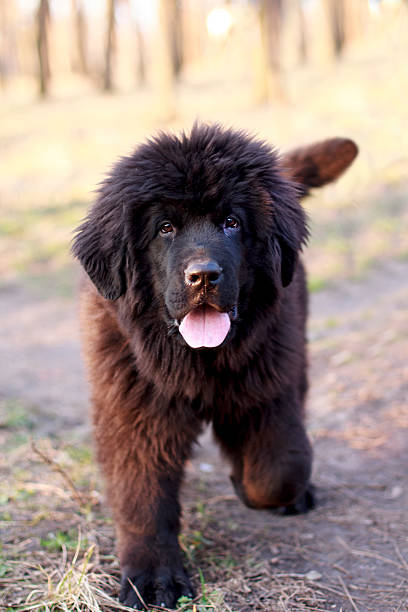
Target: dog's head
(191, 225)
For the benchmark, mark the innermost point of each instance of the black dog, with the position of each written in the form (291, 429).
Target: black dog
(193, 246)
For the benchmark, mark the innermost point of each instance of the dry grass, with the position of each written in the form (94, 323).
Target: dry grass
(72, 586)
(58, 545)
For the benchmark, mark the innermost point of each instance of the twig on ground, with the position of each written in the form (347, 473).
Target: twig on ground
(57, 468)
(340, 569)
(347, 592)
(367, 553)
(136, 590)
(402, 559)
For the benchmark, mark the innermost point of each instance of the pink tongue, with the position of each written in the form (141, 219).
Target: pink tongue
(205, 326)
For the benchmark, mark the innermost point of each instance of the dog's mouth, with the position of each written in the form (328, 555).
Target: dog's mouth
(206, 327)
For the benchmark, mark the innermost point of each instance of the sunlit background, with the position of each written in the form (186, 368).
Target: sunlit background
(83, 82)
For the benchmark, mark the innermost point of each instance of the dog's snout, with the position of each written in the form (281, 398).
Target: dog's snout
(202, 273)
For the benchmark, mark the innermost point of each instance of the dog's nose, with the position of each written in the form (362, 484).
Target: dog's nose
(202, 273)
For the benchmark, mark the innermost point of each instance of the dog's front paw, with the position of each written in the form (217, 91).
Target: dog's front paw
(305, 503)
(158, 586)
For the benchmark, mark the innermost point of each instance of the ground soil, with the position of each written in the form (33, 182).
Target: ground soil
(351, 552)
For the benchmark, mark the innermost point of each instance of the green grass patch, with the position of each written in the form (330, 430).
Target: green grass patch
(55, 542)
(14, 415)
(4, 569)
(315, 283)
(80, 454)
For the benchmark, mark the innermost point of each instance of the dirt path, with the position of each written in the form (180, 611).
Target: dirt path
(351, 553)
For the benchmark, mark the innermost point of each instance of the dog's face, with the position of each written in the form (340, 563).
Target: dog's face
(198, 264)
(195, 226)
(211, 228)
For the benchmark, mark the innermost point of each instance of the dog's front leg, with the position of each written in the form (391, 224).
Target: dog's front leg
(271, 456)
(148, 544)
(142, 459)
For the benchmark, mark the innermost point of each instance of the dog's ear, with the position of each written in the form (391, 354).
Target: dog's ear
(310, 166)
(99, 246)
(320, 163)
(289, 233)
(288, 260)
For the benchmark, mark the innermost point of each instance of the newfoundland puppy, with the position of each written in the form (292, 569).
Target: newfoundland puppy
(194, 312)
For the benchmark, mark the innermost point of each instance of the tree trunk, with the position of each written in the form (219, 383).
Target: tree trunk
(79, 63)
(292, 50)
(43, 16)
(273, 16)
(320, 43)
(176, 33)
(110, 47)
(3, 46)
(303, 51)
(141, 60)
(356, 17)
(164, 72)
(268, 82)
(337, 18)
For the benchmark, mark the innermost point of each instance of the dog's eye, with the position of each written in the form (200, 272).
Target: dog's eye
(231, 223)
(166, 228)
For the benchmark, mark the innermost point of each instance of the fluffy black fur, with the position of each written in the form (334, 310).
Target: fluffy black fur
(152, 392)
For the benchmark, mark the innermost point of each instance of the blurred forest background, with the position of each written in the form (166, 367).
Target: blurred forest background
(84, 81)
